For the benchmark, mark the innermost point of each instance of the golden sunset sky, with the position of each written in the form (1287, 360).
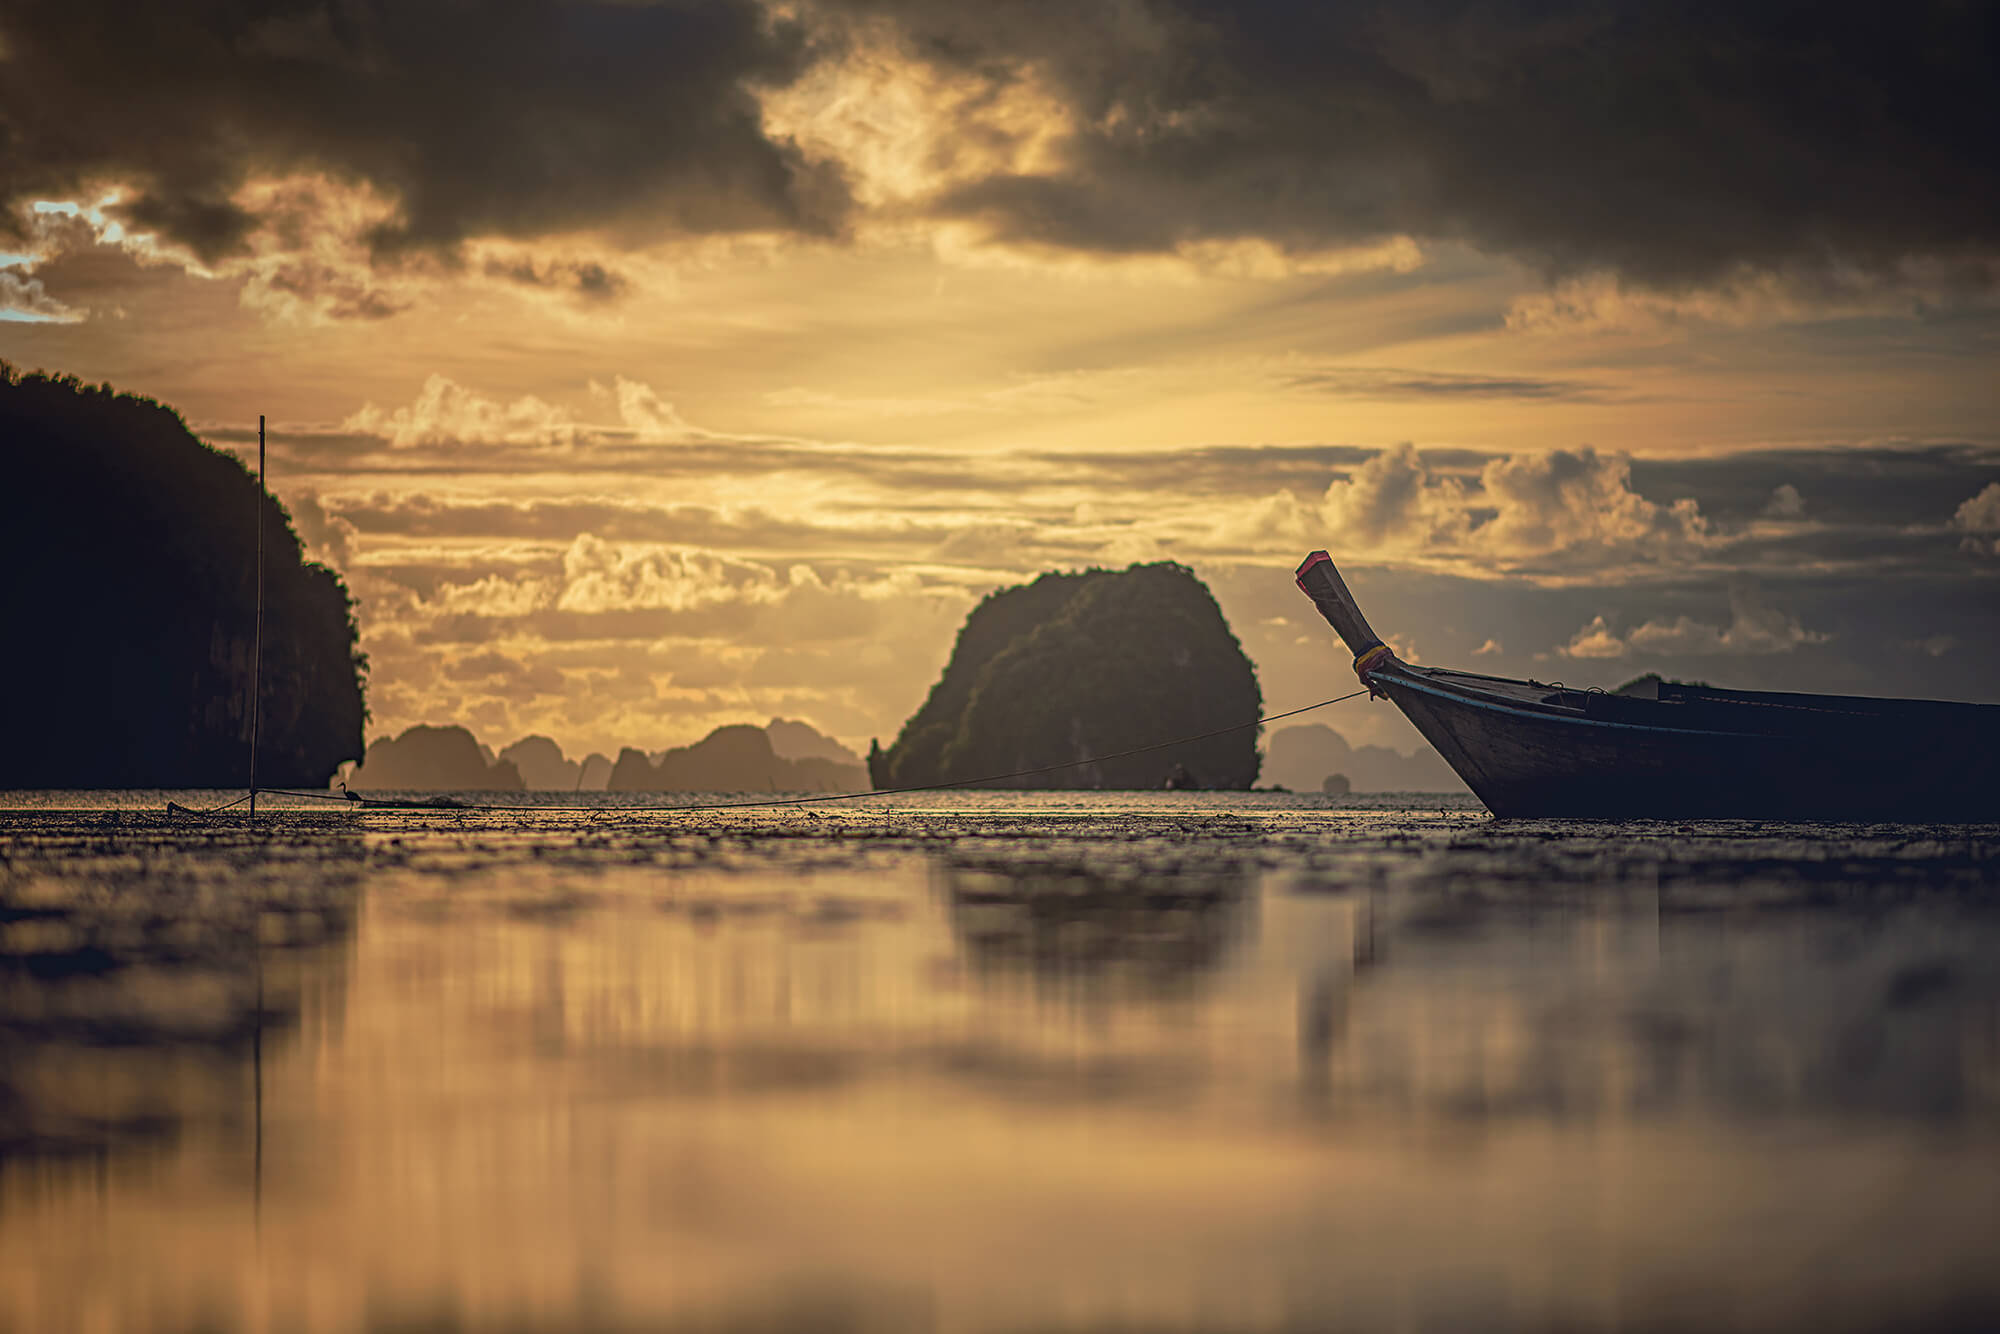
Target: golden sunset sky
(647, 367)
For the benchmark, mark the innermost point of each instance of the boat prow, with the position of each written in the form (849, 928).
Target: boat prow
(1528, 748)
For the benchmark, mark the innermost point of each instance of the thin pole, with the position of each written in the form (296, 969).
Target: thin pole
(257, 643)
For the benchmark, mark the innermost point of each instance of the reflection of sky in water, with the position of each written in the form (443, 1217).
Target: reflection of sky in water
(1000, 1064)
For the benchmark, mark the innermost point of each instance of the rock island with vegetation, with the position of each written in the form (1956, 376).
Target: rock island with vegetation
(130, 555)
(1074, 666)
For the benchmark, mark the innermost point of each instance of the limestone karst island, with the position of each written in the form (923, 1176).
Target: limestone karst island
(130, 551)
(1074, 666)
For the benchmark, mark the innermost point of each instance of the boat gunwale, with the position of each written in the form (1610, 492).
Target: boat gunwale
(1561, 714)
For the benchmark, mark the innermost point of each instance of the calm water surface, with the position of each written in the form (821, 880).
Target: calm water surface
(993, 1062)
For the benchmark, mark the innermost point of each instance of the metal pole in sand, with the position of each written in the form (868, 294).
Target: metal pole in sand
(257, 642)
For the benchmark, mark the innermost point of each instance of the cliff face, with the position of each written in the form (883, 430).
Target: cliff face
(1079, 665)
(130, 603)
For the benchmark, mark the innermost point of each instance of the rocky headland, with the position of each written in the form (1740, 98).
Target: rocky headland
(130, 555)
(1081, 665)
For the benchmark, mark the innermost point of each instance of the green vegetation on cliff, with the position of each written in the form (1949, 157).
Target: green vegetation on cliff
(1076, 665)
(130, 606)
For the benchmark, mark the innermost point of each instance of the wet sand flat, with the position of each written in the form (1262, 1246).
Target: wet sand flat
(993, 1062)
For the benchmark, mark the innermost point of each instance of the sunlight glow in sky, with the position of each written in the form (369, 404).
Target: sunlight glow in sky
(648, 368)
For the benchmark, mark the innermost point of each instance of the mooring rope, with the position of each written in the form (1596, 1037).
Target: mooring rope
(174, 806)
(448, 804)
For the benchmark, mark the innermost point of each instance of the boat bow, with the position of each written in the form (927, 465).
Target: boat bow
(1530, 748)
(1319, 579)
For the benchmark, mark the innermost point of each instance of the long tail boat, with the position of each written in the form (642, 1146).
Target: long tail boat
(1670, 751)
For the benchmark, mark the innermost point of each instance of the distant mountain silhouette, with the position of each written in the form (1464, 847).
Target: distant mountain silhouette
(739, 758)
(544, 767)
(129, 554)
(1073, 666)
(541, 764)
(794, 740)
(1301, 758)
(432, 759)
(735, 758)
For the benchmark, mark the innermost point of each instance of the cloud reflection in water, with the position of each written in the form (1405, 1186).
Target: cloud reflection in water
(1000, 1063)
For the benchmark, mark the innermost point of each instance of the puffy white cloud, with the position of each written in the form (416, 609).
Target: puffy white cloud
(1785, 503)
(448, 413)
(1563, 506)
(646, 414)
(1390, 497)
(1391, 502)
(329, 537)
(494, 596)
(1772, 632)
(600, 576)
(1568, 499)
(1596, 640)
(1753, 629)
(1979, 519)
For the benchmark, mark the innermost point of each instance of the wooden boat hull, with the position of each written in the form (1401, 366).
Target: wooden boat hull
(1533, 750)
(1523, 763)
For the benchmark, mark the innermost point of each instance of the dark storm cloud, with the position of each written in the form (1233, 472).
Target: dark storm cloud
(1673, 144)
(513, 119)
(212, 228)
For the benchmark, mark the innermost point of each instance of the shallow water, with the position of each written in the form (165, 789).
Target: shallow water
(993, 1062)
